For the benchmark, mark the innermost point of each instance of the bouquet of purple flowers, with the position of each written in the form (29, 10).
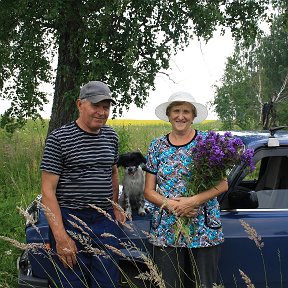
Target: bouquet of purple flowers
(213, 158)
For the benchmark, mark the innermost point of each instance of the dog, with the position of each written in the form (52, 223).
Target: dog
(132, 196)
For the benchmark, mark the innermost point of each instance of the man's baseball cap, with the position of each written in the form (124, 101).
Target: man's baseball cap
(96, 91)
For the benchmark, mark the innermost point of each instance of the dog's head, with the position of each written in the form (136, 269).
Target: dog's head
(131, 162)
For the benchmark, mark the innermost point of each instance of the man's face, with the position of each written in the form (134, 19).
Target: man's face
(93, 116)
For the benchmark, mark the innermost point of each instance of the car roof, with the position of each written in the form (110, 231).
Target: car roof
(256, 139)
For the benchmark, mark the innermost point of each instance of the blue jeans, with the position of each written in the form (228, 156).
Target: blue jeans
(92, 268)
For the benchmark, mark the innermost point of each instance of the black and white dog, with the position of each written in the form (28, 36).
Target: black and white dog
(132, 197)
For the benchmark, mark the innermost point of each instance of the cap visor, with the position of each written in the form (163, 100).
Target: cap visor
(99, 98)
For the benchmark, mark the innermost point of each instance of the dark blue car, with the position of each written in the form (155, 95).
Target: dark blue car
(254, 214)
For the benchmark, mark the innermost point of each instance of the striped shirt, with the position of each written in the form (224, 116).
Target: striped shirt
(84, 163)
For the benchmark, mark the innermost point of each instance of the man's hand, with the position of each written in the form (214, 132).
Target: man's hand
(66, 250)
(119, 215)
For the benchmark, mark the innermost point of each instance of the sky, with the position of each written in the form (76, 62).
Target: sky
(194, 70)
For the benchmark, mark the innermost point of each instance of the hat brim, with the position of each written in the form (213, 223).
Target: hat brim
(99, 98)
(202, 112)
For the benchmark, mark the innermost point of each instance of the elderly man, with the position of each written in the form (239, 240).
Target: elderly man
(79, 174)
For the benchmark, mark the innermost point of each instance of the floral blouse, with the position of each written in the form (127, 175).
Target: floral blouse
(170, 165)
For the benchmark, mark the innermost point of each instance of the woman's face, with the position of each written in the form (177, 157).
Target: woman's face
(181, 116)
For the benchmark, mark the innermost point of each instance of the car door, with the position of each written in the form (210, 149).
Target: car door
(255, 222)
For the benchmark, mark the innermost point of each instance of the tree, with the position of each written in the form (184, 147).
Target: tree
(255, 82)
(234, 102)
(274, 60)
(122, 42)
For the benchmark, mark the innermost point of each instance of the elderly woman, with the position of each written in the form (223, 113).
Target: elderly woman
(185, 260)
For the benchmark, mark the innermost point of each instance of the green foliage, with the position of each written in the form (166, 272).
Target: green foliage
(255, 83)
(19, 184)
(125, 43)
(21, 154)
(11, 224)
(235, 101)
(124, 139)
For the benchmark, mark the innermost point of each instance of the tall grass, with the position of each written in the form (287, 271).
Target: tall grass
(19, 184)
(21, 154)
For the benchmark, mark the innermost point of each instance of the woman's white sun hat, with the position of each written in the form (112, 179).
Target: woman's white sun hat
(202, 111)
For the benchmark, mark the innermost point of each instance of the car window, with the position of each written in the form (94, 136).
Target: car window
(264, 188)
(270, 173)
(273, 199)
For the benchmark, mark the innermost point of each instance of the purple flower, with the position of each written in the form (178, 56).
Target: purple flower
(213, 157)
(247, 158)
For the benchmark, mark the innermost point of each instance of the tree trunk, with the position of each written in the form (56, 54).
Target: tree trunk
(66, 86)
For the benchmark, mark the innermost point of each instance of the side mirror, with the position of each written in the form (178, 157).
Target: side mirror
(243, 199)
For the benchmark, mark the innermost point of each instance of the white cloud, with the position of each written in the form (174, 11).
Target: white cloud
(195, 70)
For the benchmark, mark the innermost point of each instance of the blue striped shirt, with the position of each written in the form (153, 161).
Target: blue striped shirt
(84, 163)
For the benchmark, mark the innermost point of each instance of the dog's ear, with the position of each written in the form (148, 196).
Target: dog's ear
(140, 158)
(121, 160)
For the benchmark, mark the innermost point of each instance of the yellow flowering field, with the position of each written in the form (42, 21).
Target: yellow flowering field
(126, 122)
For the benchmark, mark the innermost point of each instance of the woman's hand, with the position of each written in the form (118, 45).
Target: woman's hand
(184, 206)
